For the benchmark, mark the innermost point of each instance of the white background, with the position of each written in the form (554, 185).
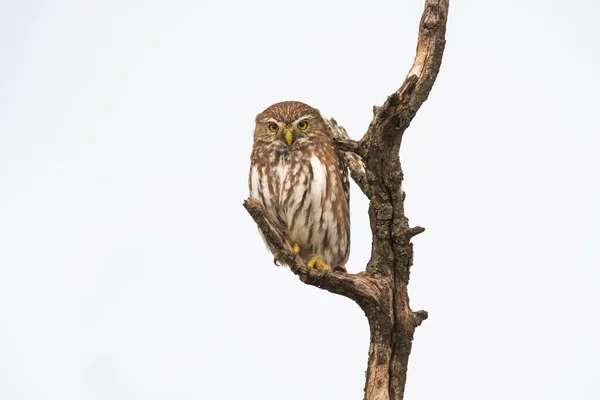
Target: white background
(130, 270)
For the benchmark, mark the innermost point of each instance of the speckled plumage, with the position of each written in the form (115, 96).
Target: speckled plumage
(303, 185)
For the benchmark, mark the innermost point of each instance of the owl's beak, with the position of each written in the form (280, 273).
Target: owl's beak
(289, 136)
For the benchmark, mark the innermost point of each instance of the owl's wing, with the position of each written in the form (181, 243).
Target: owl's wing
(259, 190)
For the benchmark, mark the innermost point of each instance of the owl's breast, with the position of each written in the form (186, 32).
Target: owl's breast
(294, 178)
(304, 204)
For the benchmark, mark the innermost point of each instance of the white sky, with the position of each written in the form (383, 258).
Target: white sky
(130, 270)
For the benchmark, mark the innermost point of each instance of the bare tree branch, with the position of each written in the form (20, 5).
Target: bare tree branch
(374, 164)
(392, 252)
(351, 155)
(361, 287)
(395, 115)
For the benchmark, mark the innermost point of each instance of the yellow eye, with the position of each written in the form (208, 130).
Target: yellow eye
(302, 125)
(273, 127)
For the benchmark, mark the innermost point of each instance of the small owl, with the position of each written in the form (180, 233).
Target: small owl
(298, 176)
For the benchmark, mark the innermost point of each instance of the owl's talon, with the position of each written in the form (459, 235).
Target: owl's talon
(317, 263)
(296, 249)
(340, 268)
(276, 259)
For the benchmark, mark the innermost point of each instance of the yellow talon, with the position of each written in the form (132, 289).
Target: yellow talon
(317, 263)
(296, 249)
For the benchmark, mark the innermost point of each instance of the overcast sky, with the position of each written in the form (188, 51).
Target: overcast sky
(130, 270)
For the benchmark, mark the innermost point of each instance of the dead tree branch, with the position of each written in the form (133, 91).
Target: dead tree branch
(351, 153)
(361, 287)
(374, 164)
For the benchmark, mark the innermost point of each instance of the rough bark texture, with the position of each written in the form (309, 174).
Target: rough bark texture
(374, 163)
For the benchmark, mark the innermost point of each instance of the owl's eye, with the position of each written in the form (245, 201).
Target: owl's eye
(302, 125)
(273, 127)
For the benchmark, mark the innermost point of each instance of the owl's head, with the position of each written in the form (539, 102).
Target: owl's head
(289, 124)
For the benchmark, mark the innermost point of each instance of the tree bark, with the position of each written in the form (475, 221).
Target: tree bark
(374, 163)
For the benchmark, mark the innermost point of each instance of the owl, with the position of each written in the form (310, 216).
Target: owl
(302, 183)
